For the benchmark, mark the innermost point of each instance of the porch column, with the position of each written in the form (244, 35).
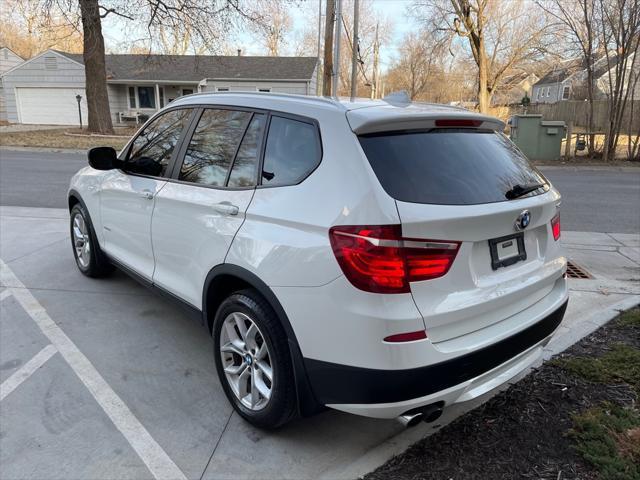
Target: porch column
(157, 92)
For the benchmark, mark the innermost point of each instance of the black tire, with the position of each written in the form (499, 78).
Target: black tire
(281, 406)
(95, 264)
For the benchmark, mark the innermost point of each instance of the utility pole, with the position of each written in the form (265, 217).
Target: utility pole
(376, 47)
(318, 91)
(336, 58)
(329, 19)
(354, 48)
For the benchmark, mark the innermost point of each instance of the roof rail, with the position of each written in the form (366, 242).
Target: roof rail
(287, 96)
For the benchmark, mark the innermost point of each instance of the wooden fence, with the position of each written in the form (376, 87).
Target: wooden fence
(576, 112)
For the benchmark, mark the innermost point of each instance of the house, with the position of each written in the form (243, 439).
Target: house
(8, 60)
(513, 88)
(45, 88)
(567, 80)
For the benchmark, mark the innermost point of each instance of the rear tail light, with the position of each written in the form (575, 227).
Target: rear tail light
(555, 226)
(377, 259)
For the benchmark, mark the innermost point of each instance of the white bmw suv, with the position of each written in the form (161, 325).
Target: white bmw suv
(380, 258)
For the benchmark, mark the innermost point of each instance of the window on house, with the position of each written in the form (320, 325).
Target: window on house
(213, 146)
(266, 90)
(565, 92)
(132, 97)
(222, 89)
(146, 97)
(187, 91)
(548, 91)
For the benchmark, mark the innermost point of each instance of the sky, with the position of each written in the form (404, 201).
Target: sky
(394, 10)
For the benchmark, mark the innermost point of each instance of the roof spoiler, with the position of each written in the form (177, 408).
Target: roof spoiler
(416, 117)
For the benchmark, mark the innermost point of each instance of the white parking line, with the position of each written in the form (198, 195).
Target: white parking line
(149, 451)
(28, 369)
(4, 294)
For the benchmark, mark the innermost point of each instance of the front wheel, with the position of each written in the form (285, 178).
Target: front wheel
(86, 250)
(253, 360)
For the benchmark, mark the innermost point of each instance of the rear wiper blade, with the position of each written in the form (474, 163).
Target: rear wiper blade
(518, 190)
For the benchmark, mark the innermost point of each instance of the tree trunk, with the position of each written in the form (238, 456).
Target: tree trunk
(484, 97)
(94, 69)
(327, 72)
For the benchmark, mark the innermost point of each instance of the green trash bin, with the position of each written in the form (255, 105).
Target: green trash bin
(537, 138)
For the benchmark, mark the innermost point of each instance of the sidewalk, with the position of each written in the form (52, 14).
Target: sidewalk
(159, 365)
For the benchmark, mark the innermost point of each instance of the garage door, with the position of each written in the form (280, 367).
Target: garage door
(51, 106)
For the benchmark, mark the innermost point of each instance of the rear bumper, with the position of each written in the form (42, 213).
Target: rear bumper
(388, 393)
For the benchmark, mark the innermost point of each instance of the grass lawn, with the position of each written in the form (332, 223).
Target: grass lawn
(576, 417)
(57, 138)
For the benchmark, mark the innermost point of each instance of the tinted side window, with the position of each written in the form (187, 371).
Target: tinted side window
(151, 150)
(212, 146)
(244, 172)
(292, 152)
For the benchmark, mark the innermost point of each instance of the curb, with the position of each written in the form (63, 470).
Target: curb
(17, 148)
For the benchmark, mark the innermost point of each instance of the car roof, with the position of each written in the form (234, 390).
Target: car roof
(363, 114)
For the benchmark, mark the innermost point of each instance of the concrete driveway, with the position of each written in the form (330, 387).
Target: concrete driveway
(103, 379)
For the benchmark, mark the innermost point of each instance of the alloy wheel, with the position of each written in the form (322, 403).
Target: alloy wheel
(81, 241)
(246, 361)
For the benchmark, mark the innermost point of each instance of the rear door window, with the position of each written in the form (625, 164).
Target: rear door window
(449, 166)
(292, 152)
(213, 146)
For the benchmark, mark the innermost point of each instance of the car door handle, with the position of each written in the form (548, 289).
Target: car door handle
(226, 208)
(148, 194)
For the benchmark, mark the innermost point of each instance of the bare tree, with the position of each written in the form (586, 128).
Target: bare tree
(419, 65)
(28, 30)
(579, 31)
(500, 35)
(369, 22)
(272, 24)
(206, 19)
(620, 38)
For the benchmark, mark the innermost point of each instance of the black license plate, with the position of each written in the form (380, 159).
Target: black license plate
(507, 250)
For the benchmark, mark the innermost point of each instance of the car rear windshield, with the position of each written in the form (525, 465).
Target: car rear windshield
(449, 166)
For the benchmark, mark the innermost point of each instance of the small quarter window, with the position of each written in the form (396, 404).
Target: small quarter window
(151, 151)
(213, 146)
(292, 152)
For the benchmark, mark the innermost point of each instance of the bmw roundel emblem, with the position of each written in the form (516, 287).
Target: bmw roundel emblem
(523, 220)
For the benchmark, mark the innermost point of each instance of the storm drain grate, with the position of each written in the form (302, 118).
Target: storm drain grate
(576, 271)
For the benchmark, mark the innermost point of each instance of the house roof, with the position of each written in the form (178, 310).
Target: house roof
(193, 68)
(562, 71)
(2, 47)
(566, 69)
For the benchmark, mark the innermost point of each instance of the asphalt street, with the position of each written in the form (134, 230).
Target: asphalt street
(594, 200)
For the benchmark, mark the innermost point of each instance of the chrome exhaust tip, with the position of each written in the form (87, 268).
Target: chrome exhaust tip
(431, 413)
(410, 419)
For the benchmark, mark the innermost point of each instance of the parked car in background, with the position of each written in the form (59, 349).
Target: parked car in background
(383, 259)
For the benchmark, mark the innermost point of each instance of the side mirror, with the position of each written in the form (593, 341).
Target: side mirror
(103, 158)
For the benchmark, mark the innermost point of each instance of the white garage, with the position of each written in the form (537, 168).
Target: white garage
(50, 106)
